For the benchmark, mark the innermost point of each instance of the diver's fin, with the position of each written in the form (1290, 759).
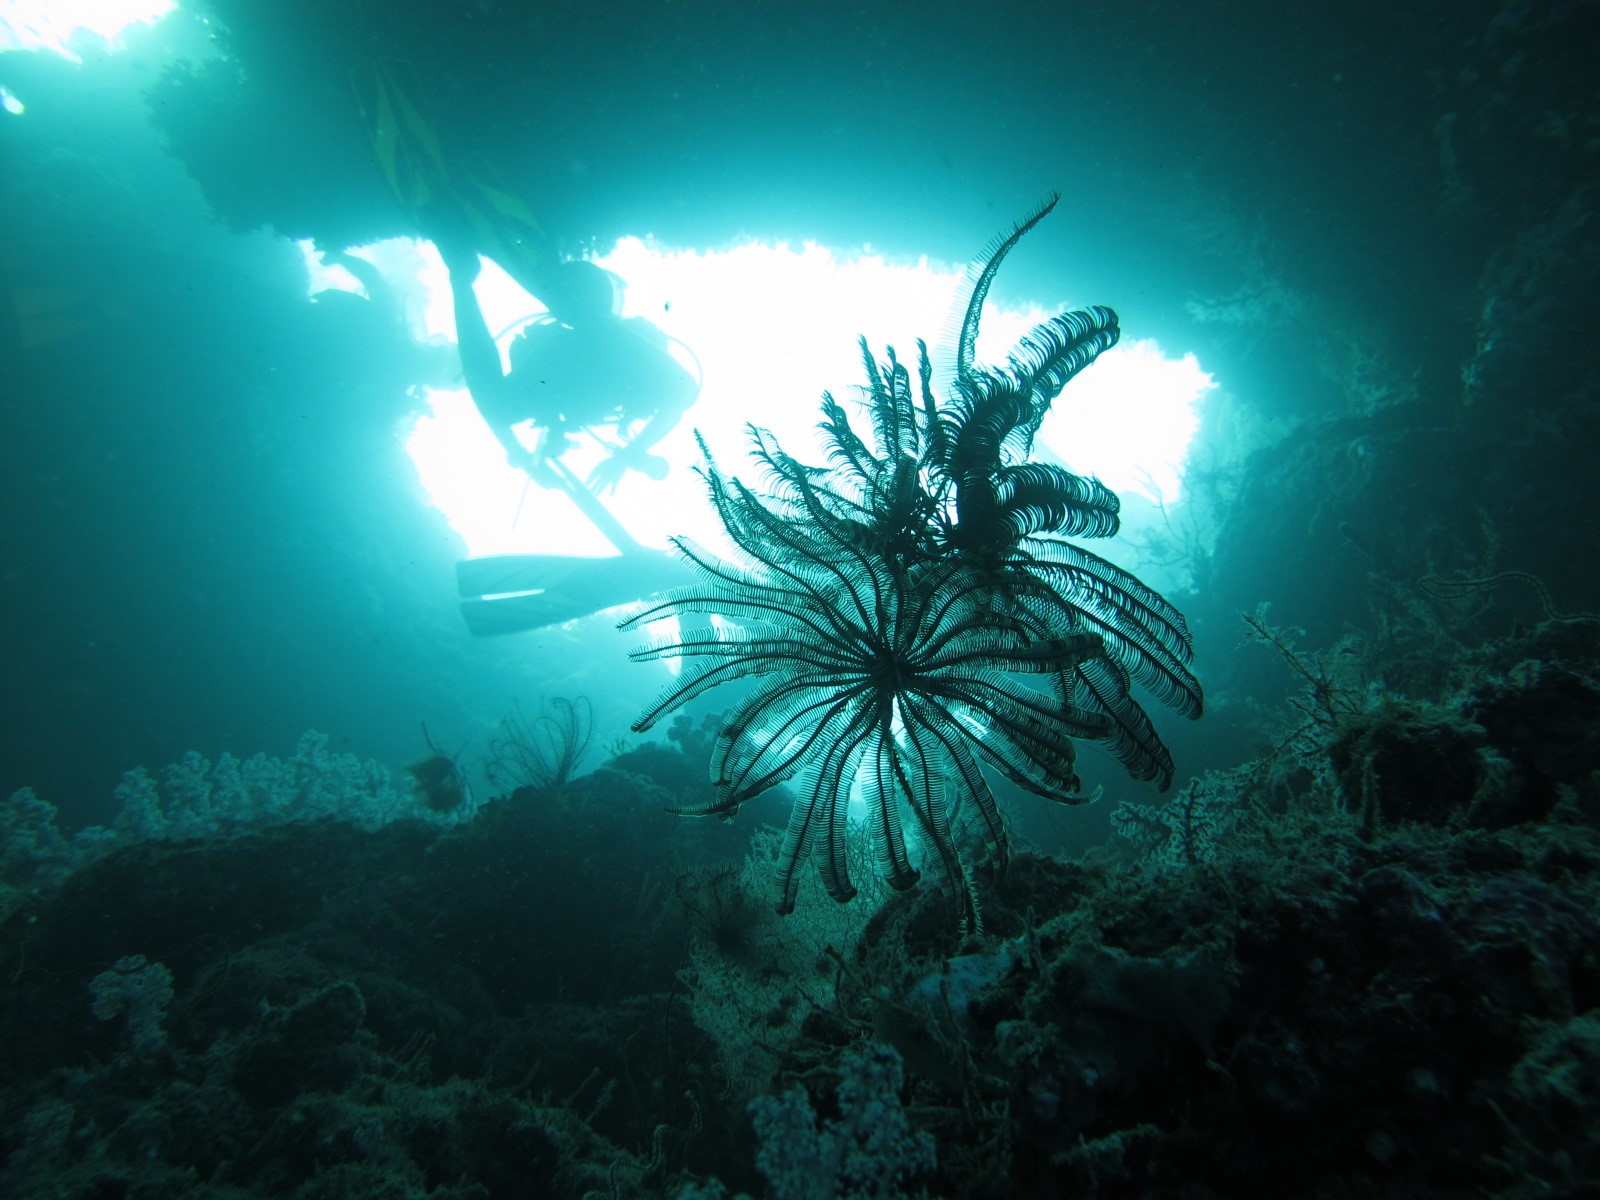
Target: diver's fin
(403, 141)
(424, 180)
(508, 593)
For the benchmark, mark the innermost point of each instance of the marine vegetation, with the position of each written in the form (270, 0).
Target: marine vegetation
(916, 616)
(542, 753)
(437, 781)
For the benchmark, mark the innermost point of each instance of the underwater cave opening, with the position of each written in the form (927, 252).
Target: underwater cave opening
(772, 327)
(70, 26)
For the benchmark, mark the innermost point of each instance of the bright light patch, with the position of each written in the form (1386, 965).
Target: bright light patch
(58, 25)
(409, 272)
(329, 276)
(493, 506)
(10, 103)
(772, 327)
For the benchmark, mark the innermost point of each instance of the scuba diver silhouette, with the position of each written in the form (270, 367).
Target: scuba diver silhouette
(578, 367)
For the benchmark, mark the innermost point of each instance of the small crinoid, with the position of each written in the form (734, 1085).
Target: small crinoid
(438, 783)
(914, 615)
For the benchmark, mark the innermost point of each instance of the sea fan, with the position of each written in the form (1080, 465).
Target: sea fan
(916, 615)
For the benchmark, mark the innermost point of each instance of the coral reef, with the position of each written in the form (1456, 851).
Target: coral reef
(1362, 963)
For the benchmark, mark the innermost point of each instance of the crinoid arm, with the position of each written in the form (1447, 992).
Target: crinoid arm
(982, 275)
(1037, 498)
(1141, 629)
(986, 434)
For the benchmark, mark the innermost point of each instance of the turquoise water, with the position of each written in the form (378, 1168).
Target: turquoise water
(1371, 226)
